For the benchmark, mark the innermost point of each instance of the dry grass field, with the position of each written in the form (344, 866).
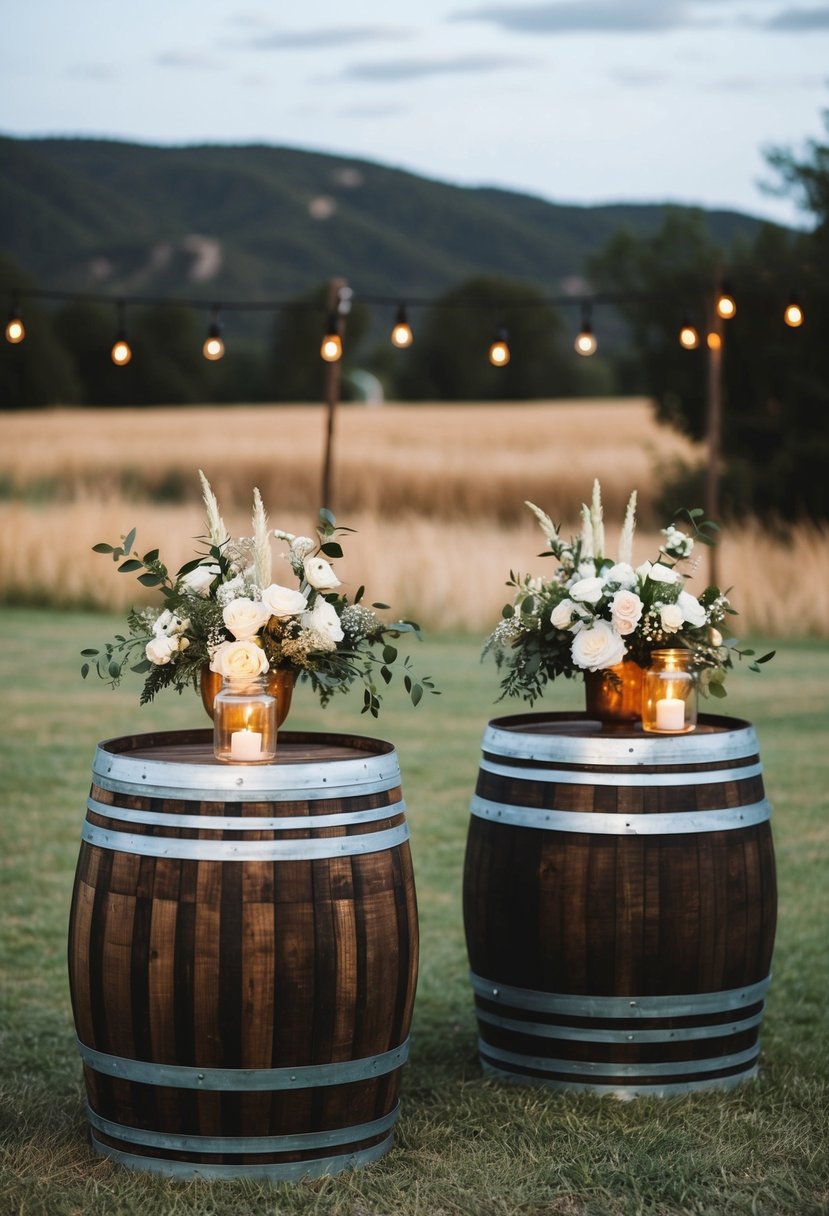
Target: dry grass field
(435, 492)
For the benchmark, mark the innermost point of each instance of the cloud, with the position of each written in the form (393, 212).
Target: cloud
(410, 69)
(185, 59)
(319, 39)
(582, 16)
(799, 20)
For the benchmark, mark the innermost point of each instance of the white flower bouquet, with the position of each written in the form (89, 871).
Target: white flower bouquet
(223, 610)
(597, 611)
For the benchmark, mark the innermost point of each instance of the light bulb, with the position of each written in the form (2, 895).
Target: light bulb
(726, 307)
(213, 348)
(331, 349)
(713, 340)
(585, 343)
(401, 334)
(121, 352)
(793, 316)
(688, 336)
(499, 352)
(15, 330)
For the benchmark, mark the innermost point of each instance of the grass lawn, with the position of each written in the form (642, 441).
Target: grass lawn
(463, 1144)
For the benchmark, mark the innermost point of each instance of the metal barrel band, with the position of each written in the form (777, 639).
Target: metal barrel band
(577, 1005)
(245, 850)
(289, 1171)
(283, 783)
(659, 1089)
(601, 823)
(631, 778)
(682, 749)
(601, 1069)
(299, 1142)
(239, 823)
(601, 1034)
(245, 1080)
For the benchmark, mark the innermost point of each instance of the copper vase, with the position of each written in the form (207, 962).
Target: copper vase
(614, 695)
(279, 682)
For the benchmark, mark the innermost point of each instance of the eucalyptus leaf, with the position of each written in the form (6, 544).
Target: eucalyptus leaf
(149, 580)
(103, 547)
(129, 540)
(331, 549)
(129, 566)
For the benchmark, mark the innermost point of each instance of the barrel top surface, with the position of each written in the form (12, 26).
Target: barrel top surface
(184, 759)
(582, 738)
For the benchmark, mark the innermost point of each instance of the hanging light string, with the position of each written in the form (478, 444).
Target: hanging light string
(401, 334)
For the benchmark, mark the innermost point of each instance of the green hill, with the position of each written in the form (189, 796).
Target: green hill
(259, 223)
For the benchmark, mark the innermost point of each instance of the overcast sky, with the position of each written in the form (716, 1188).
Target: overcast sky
(577, 100)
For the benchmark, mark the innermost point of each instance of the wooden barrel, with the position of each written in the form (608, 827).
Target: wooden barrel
(619, 905)
(243, 954)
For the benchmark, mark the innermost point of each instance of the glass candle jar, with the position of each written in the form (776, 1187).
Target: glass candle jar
(669, 693)
(244, 722)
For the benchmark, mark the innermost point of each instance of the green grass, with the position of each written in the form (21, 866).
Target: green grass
(463, 1144)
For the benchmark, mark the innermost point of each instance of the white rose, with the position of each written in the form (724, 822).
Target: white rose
(169, 625)
(623, 574)
(283, 601)
(692, 609)
(662, 574)
(239, 659)
(671, 617)
(160, 650)
(320, 574)
(323, 619)
(562, 614)
(626, 610)
(597, 646)
(198, 581)
(589, 590)
(245, 617)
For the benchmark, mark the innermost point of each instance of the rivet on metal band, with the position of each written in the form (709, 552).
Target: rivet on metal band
(303, 1076)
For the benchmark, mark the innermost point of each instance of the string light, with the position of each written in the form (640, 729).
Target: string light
(331, 348)
(713, 340)
(499, 351)
(15, 329)
(793, 315)
(214, 347)
(585, 343)
(726, 305)
(688, 336)
(121, 352)
(401, 334)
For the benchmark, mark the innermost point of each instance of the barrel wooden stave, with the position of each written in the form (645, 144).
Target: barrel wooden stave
(594, 916)
(249, 964)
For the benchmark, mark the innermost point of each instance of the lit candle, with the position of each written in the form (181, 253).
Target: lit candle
(670, 714)
(246, 745)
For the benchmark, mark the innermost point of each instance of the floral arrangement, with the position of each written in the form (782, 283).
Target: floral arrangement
(595, 611)
(223, 610)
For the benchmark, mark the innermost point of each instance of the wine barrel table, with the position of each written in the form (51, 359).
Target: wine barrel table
(619, 905)
(243, 949)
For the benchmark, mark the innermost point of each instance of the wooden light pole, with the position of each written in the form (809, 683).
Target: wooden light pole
(338, 305)
(713, 425)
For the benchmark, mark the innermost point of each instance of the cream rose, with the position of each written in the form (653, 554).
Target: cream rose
(160, 650)
(562, 615)
(671, 617)
(283, 601)
(239, 659)
(588, 590)
(626, 610)
(692, 609)
(245, 617)
(323, 619)
(597, 646)
(320, 574)
(198, 581)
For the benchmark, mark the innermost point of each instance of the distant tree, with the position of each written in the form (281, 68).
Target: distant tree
(775, 437)
(37, 371)
(449, 358)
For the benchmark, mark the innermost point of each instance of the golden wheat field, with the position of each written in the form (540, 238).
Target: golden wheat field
(435, 492)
